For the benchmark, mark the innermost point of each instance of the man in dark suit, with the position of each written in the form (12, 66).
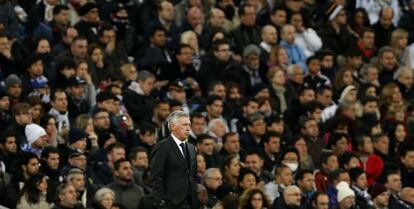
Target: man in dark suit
(174, 167)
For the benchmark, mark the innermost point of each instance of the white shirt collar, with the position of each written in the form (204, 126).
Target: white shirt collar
(266, 46)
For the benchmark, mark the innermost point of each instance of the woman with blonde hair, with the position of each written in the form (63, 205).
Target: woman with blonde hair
(85, 123)
(280, 94)
(343, 78)
(254, 199)
(190, 38)
(390, 95)
(399, 42)
(278, 57)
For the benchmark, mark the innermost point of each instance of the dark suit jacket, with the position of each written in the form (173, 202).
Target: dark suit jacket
(173, 179)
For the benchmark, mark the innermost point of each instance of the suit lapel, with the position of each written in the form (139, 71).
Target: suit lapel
(175, 148)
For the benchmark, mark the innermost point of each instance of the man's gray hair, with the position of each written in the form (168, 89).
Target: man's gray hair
(212, 124)
(400, 72)
(72, 173)
(144, 75)
(100, 194)
(174, 116)
(290, 69)
(209, 172)
(366, 67)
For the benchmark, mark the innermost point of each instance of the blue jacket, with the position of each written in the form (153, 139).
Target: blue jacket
(296, 54)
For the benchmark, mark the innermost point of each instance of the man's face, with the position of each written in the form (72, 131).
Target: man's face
(249, 17)
(388, 60)
(273, 146)
(214, 180)
(71, 33)
(53, 161)
(78, 182)
(92, 16)
(76, 91)
(15, 90)
(159, 38)
(101, 120)
(369, 40)
(250, 108)
(214, 110)
(198, 125)
(147, 85)
(252, 61)
(371, 107)
(69, 196)
(24, 117)
(394, 183)
(148, 138)
(219, 90)
(307, 182)
(181, 129)
(294, 5)
(4, 44)
(63, 17)
(288, 34)
(167, 11)
(79, 48)
(382, 145)
(406, 78)
(257, 128)
(10, 145)
(78, 161)
(249, 181)
(108, 36)
(223, 53)
(269, 35)
(195, 17)
(292, 197)
(141, 160)
(372, 74)
(206, 146)
(60, 103)
(327, 61)
(107, 105)
(124, 171)
(254, 162)
(32, 167)
(385, 19)
(325, 98)
(382, 200)
(331, 164)
(217, 18)
(408, 160)
(5, 103)
(185, 57)
(162, 111)
(314, 66)
(279, 18)
(116, 154)
(311, 128)
(36, 69)
(286, 177)
(307, 96)
(232, 145)
(322, 202)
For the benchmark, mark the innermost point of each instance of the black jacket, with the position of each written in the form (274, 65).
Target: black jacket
(173, 177)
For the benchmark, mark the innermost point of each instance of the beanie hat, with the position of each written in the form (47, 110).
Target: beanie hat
(344, 191)
(76, 134)
(345, 91)
(34, 132)
(333, 11)
(12, 79)
(376, 190)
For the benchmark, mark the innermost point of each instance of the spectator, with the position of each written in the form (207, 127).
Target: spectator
(283, 179)
(291, 197)
(104, 198)
(212, 180)
(254, 198)
(380, 196)
(384, 27)
(66, 197)
(34, 194)
(248, 32)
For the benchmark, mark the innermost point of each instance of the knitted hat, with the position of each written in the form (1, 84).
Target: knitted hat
(39, 82)
(34, 132)
(376, 190)
(251, 49)
(345, 91)
(344, 191)
(76, 134)
(12, 79)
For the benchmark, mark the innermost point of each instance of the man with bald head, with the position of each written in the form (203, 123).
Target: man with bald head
(384, 27)
(195, 22)
(291, 198)
(217, 18)
(269, 40)
(406, 199)
(295, 52)
(165, 19)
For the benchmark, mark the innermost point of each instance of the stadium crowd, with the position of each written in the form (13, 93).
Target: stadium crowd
(294, 104)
